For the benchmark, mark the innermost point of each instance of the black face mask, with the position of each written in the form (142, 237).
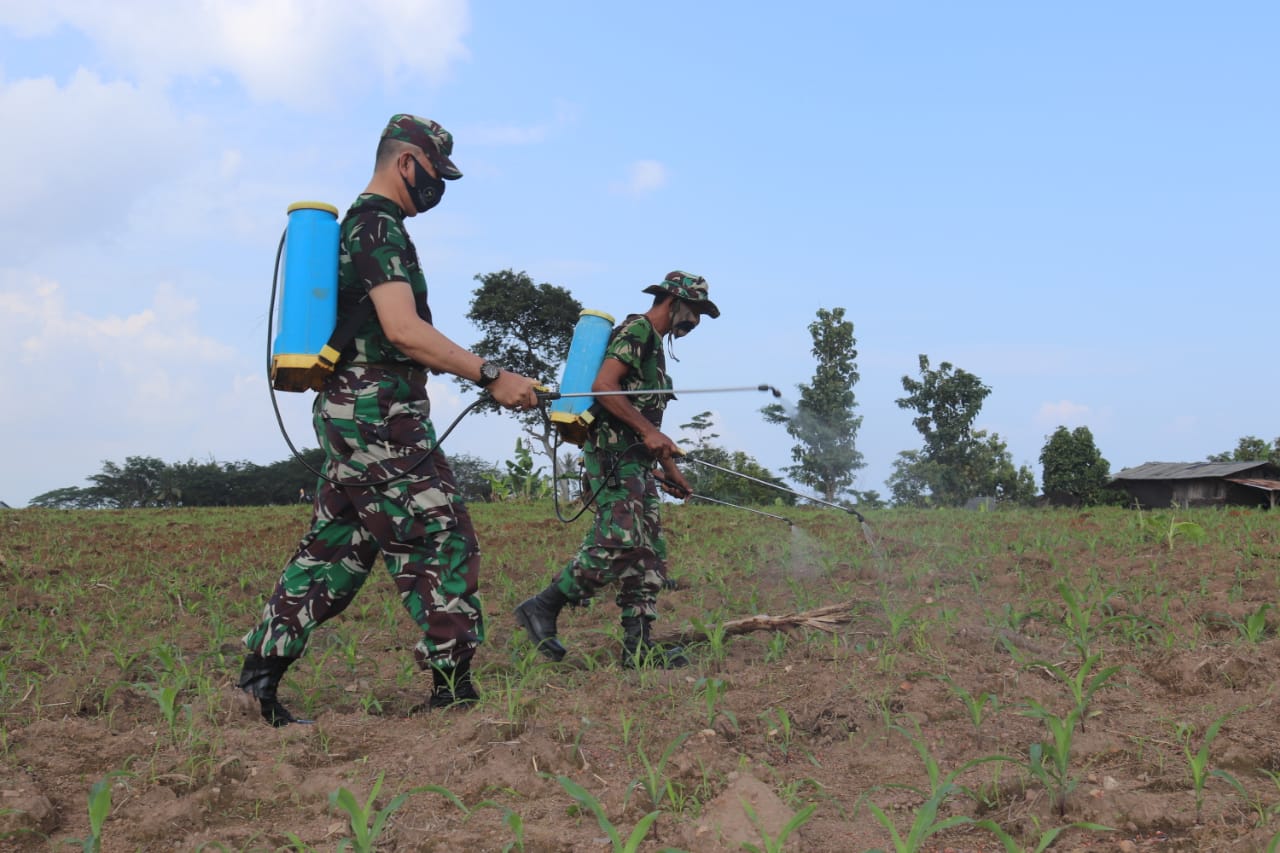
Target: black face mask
(426, 191)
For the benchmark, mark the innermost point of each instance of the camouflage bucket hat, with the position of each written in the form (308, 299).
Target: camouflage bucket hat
(690, 288)
(427, 135)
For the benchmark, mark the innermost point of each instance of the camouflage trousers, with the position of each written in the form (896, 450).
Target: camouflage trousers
(625, 543)
(372, 426)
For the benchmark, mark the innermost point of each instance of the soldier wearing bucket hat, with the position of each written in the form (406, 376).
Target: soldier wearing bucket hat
(692, 289)
(391, 497)
(626, 545)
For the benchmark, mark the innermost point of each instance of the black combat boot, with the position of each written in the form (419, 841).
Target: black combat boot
(260, 677)
(452, 688)
(537, 616)
(639, 651)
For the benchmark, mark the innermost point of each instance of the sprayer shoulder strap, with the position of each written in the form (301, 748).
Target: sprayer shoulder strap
(345, 332)
(596, 411)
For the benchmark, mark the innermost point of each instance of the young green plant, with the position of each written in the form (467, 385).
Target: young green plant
(367, 822)
(775, 843)
(925, 821)
(99, 808)
(654, 781)
(1055, 775)
(1198, 762)
(585, 799)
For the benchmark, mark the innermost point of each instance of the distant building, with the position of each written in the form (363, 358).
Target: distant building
(1161, 484)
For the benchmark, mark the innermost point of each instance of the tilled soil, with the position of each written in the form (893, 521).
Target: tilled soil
(963, 638)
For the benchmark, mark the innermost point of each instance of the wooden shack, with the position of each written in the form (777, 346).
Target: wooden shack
(1162, 484)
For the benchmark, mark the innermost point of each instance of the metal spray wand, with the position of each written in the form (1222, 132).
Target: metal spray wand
(556, 395)
(850, 510)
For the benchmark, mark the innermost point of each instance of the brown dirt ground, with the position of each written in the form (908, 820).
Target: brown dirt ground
(951, 594)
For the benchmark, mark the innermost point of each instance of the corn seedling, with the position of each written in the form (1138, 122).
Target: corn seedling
(1253, 628)
(791, 792)
(1079, 617)
(713, 690)
(1168, 528)
(628, 723)
(167, 699)
(99, 809)
(1055, 775)
(778, 724)
(1045, 839)
(1083, 683)
(1198, 762)
(716, 638)
(976, 706)
(776, 647)
(654, 781)
(898, 619)
(585, 799)
(1262, 812)
(775, 843)
(367, 822)
(925, 822)
(513, 820)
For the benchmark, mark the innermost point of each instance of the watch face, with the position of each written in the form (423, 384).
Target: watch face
(489, 372)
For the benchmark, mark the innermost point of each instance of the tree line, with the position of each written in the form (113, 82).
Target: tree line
(145, 481)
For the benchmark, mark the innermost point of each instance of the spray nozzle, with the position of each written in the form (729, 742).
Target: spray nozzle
(769, 388)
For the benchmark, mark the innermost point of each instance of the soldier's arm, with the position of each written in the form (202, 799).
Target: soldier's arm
(609, 378)
(428, 346)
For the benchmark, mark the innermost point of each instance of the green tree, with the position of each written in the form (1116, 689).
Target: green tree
(527, 328)
(957, 462)
(70, 497)
(203, 483)
(823, 421)
(472, 475)
(137, 484)
(1250, 448)
(997, 476)
(1074, 471)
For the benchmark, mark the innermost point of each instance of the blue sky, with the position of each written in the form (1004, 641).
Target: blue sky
(1078, 203)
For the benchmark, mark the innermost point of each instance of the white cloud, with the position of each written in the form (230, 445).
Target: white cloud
(298, 52)
(644, 177)
(1062, 413)
(147, 358)
(141, 379)
(74, 154)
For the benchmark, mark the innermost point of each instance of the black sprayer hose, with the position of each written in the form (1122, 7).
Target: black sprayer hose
(847, 509)
(587, 501)
(275, 405)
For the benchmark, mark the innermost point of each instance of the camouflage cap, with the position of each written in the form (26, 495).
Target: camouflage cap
(691, 288)
(427, 135)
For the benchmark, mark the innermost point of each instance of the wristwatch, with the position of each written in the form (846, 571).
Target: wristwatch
(489, 372)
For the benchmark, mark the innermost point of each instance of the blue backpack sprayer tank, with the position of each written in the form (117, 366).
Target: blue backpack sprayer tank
(572, 415)
(309, 343)
(302, 355)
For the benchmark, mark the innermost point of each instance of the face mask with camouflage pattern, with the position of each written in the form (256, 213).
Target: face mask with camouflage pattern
(683, 319)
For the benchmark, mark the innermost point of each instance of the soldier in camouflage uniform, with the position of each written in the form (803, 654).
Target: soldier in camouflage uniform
(625, 543)
(372, 419)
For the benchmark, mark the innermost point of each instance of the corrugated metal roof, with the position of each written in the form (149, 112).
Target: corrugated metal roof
(1265, 485)
(1193, 470)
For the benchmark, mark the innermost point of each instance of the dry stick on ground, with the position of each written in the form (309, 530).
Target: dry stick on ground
(826, 618)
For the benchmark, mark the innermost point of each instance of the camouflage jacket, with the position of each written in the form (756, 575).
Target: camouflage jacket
(637, 345)
(375, 247)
